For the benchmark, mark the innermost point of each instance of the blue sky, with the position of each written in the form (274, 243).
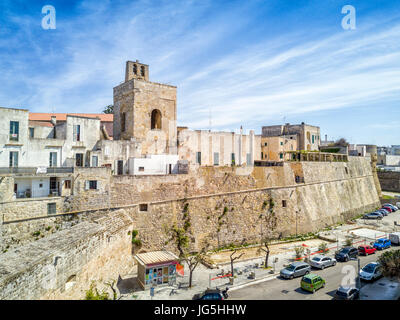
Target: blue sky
(249, 63)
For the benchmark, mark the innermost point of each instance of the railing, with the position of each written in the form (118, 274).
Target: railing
(35, 170)
(6, 170)
(263, 163)
(60, 170)
(37, 193)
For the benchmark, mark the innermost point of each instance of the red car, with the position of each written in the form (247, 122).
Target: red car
(387, 208)
(366, 250)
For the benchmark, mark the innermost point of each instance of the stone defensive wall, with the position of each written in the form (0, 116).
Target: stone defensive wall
(389, 180)
(224, 205)
(340, 184)
(64, 264)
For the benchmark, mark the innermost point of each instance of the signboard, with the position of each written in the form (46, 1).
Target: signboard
(179, 270)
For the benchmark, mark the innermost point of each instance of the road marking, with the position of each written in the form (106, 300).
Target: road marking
(253, 283)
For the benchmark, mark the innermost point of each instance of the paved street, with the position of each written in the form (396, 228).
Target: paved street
(281, 289)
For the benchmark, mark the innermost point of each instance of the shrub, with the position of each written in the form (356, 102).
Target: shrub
(390, 262)
(299, 250)
(93, 294)
(323, 247)
(348, 242)
(135, 241)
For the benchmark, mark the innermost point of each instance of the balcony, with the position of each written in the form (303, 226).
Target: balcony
(37, 193)
(35, 170)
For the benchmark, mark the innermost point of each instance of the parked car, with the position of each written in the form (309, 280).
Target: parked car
(366, 250)
(295, 269)
(346, 253)
(395, 238)
(381, 244)
(373, 215)
(387, 208)
(312, 282)
(347, 293)
(320, 261)
(384, 212)
(391, 206)
(371, 271)
(209, 294)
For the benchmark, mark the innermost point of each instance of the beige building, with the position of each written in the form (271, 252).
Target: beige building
(275, 148)
(207, 148)
(308, 137)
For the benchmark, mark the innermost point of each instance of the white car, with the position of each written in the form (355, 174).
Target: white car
(319, 261)
(371, 272)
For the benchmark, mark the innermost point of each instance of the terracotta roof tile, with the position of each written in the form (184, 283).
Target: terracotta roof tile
(35, 116)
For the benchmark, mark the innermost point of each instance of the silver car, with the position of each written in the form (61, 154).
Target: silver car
(319, 261)
(295, 269)
(371, 271)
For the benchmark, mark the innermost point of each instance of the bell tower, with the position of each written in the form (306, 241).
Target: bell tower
(136, 70)
(145, 111)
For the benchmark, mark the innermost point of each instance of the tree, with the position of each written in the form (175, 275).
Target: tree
(266, 250)
(390, 262)
(234, 258)
(180, 237)
(342, 142)
(109, 109)
(270, 223)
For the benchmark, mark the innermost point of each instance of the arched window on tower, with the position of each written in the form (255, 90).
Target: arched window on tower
(135, 69)
(156, 119)
(142, 71)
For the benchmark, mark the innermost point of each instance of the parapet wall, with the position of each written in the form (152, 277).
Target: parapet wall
(389, 180)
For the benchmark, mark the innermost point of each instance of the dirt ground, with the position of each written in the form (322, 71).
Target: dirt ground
(223, 257)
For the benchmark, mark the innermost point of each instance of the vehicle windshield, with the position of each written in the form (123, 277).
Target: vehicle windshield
(307, 280)
(316, 259)
(341, 293)
(369, 268)
(380, 240)
(345, 250)
(290, 267)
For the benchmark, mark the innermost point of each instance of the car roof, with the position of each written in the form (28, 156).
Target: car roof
(345, 289)
(373, 262)
(311, 276)
(298, 263)
(211, 291)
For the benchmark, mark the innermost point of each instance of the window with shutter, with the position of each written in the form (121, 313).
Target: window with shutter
(216, 158)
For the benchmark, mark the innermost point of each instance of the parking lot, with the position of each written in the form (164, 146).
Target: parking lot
(284, 289)
(267, 285)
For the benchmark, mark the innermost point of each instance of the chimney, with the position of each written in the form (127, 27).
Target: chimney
(53, 120)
